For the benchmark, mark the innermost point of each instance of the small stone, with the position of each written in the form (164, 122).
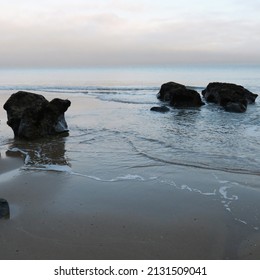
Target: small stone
(4, 209)
(161, 109)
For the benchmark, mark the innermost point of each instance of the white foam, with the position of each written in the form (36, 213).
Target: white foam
(185, 187)
(206, 193)
(226, 205)
(67, 169)
(26, 155)
(133, 177)
(171, 183)
(87, 176)
(224, 194)
(129, 177)
(241, 221)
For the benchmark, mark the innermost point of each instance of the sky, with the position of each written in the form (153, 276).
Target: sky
(84, 33)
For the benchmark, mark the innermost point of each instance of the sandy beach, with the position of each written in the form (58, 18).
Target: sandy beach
(56, 216)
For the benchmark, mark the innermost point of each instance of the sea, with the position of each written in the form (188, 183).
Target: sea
(114, 137)
(208, 137)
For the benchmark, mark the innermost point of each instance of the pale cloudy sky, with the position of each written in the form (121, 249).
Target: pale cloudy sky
(79, 33)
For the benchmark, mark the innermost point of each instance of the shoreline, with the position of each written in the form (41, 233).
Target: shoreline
(55, 215)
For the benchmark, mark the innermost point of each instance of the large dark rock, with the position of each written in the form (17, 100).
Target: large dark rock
(4, 209)
(234, 98)
(31, 116)
(179, 96)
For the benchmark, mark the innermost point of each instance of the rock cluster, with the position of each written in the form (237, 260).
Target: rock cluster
(232, 97)
(31, 116)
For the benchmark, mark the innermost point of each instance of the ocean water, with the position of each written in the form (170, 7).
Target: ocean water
(114, 137)
(206, 138)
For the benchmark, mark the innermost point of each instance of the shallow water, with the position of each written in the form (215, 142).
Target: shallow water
(112, 127)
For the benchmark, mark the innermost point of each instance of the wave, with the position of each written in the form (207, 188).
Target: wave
(127, 177)
(35, 160)
(119, 94)
(173, 151)
(68, 170)
(91, 88)
(202, 165)
(81, 89)
(193, 164)
(128, 101)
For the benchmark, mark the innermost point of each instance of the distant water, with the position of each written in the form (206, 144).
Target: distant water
(207, 138)
(78, 79)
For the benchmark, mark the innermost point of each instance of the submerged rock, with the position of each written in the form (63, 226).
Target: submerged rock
(31, 116)
(179, 96)
(236, 107)
(232, 97)
(4, 209)
(160, 109)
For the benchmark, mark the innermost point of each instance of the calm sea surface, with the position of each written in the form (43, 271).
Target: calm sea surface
(198, 76)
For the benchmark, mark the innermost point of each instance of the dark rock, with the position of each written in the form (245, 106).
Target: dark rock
(234, 98)
(236, 107)
(4, 209)
(179, 96)
(161, 109)
(31, 116)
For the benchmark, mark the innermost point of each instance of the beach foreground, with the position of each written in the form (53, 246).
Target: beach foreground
(59, 216)
(115, 189)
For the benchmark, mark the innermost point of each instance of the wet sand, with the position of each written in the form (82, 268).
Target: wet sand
(58, 216)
